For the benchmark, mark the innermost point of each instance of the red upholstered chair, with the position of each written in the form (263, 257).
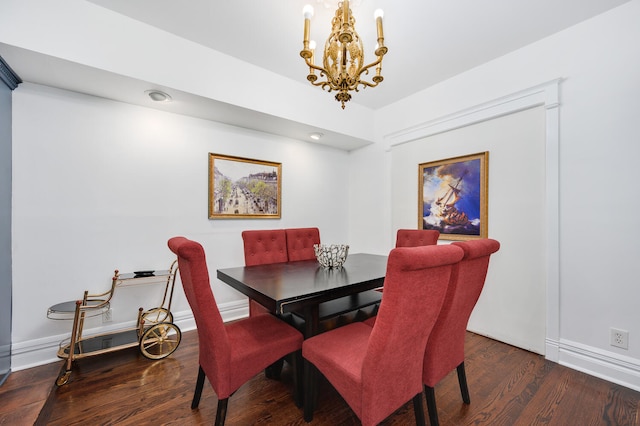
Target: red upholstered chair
(416, 237)
(262, 247)
(300, 243)
(445, 348)
(229, 354)
(378, 369)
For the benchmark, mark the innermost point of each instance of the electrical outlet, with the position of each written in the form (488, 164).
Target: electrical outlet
(107, 315)
(619, 338)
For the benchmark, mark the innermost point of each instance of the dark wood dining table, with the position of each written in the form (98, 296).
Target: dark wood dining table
(307, 289)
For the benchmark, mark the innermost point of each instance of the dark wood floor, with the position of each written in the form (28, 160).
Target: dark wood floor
(508, 386)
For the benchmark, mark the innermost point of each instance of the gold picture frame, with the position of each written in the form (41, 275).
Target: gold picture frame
(453, 196)
(244, 188)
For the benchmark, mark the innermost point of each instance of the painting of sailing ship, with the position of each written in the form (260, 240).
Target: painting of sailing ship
(453, 196)
(243, 188)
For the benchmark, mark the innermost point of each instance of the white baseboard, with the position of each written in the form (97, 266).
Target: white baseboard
(610, 366)
(552, 350)
(42, 351)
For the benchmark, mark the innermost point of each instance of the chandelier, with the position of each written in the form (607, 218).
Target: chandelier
(343, 59)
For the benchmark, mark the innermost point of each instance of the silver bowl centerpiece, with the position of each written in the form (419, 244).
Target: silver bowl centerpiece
(331, 256)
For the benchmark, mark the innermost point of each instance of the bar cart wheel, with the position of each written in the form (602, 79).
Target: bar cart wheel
(63, 378)
(160, 340)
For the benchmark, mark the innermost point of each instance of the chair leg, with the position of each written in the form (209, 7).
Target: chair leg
(273, 371)
(310, 384)
(199, 385)
(462, 379)
(221, 412)
(431, 405)
(419, 409)
(296, 366)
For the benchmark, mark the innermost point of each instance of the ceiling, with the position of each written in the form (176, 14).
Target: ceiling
(429, 41)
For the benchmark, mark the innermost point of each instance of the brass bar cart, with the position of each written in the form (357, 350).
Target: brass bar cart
(154, 333)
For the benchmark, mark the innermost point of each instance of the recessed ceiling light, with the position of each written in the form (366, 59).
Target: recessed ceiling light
(316, 136)
(158, 96)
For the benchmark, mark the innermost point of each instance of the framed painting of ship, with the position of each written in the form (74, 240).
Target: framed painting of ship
(243, 188)
(452, 196)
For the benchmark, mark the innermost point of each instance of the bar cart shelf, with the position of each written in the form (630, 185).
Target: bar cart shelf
(154, 334)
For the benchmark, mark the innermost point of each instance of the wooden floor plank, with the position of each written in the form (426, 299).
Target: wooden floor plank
(508, 386)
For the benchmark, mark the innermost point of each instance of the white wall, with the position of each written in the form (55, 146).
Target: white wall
(100, 185)
(599, 62)
(512, 305)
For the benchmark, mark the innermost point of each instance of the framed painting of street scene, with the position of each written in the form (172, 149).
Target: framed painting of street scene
(452, 196)
(242, 188)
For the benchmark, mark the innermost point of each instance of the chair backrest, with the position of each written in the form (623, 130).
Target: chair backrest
(416, 237)
(445, 348)
(415, 285)
(264, 246)
(300, 243)
(214, 347)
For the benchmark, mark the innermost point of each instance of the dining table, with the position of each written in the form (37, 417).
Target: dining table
(309, 290)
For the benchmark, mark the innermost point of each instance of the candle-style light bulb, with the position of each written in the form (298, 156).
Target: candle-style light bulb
(378, 14)
(307, 12)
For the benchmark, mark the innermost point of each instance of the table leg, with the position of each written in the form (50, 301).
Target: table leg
(311, 321)
(310, 390)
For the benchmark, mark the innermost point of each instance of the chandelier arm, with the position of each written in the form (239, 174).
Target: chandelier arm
(321, 84)
(368, 84)
(324, 85)
(365, 69)
(314, 66)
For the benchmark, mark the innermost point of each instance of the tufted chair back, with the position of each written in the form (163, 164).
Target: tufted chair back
(416, 237)
(264, 246)
(260, 248)
(300, 243)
